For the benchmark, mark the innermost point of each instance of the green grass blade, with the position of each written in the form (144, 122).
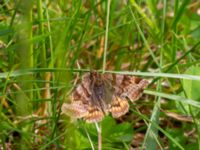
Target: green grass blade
(175, 98)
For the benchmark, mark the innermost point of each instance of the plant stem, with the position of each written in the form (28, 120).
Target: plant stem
(41, 31)
(92, 145)
(99, 136)
(25, 51)
(106, 36)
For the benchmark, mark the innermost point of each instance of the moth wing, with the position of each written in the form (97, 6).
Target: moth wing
(109, 92)
(94, 115)
(129, 86)
(80, 100)
(83, 91)
(106, 91)
(119, 107)
(109, 89)
(134, 90)
(75, 109)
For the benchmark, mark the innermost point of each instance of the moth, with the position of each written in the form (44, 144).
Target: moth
(97, 95)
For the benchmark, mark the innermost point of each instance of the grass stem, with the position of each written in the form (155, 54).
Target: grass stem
(106, 36)
(89, 138)
(98, 127)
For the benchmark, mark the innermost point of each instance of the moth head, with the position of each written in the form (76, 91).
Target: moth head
(96, 78)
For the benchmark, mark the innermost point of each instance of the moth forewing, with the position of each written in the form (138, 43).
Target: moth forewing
(135, 90)
(101, 93)
(109, 92)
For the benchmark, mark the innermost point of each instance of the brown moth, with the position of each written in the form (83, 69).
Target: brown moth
(100, 94)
